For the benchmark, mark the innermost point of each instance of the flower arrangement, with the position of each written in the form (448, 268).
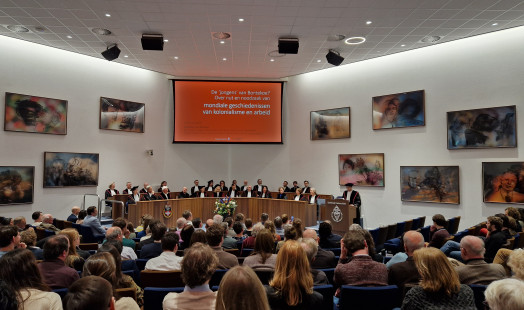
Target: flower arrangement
(225, 206)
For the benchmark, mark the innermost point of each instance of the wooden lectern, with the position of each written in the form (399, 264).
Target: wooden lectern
(339, 213)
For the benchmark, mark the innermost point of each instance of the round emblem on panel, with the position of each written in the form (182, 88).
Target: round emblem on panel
(336, 214)
(167, 211)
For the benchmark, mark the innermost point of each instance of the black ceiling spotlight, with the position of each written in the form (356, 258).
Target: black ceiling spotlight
(333, 57)
(152, 42)
(288, 46)
(111, 53)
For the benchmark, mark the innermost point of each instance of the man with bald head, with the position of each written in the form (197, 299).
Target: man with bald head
(323, 259)
(476, 270)
(115, 233)
(74, 214)
(406, 272)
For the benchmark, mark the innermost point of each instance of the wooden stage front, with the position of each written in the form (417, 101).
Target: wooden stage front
(203, 208)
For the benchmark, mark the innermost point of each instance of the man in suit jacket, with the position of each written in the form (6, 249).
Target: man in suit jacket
(165, 193)
(406, 272)
(144, 190)
(354, 200)
(476, 270)
(324, 259)
(233, 191)
(150, 195)
(258, 187)
(128, 188)
(295, 187)
(249, 192)
(183, 193)
(286, 188)
(196, 188)
(244, 187)
(306, 188)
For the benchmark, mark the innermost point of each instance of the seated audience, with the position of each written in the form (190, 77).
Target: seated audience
(21, 223)
(249, 242)
(8, 299)
(262, 257)
(115, 233)
(93, 222)
(495, 238)
(229, 242)
(198, 265)
(185, 235)
(215, 238)
(74, 214)
(54, 271)
(29, 238)
(437, 232)
(297, 223)
(279, 229)
(355, 266)
(310, 246)
(439, 287)
(239, 288)
(292, 283)
(146, 239)
(323, 259)
(144, 222)
(328, 240)
(198, 236)
(131, 230)
(73, 259)
(506, 294)
(516, 263)
(154, 248)
(290, 233)
(514, 213)
(239, 231)
(81, 216)
(248, 227)
(370, 242)
(168, 260)
(21, 275)
(9, 239)
(103, 265)
(476, 270)
(37, 218)
(406, 272)
(269, 225)
(122, 224)
(47, 223)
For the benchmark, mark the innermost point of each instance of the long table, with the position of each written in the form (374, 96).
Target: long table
(203, 208)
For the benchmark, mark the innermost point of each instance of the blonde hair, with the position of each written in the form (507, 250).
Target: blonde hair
(506, 294)
(437, 274)
(72, 235)
(239, 287)
(292, 273)
(516, 263)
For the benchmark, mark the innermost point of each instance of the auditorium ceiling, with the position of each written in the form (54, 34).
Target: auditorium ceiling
(192, 50)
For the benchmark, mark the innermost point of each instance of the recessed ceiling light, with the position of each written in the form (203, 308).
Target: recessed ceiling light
(271, 60)
(222, 42)
(369, 22)
(69, 37)
(403, 45)
(166, 40)
(108, 15)
(101, 31)
(176, 57)
(17, 28)
(318, 60)
(336, 37)
(126, 56)
(240, 19)
(355, 40)
(224, 59)
(494, 24)
(429, 39)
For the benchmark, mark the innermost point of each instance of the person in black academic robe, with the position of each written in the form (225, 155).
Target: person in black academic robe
(354, 200)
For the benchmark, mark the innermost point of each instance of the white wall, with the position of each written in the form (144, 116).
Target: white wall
(482, 71)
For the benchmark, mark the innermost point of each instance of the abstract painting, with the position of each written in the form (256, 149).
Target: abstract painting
(25, 113)
(330, 124)
(430, 184)
(16, 184)
(116, 114)
(482, 128)
(361, 169)
(503, 182)
(399, 110)
(70, 169)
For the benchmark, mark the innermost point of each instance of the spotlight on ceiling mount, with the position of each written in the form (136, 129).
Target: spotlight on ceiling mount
(152, 42)
(333, 57)
(288, 46)
(111, 53)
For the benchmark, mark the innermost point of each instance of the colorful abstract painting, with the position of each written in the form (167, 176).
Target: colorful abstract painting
(16, 184)
(330, 124)
(70, 169)
(503, 182)
(430, 184)
(361, 169)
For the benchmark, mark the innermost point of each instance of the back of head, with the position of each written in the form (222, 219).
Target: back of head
(198, 265)
(505, 220)
(264, 242)
(292, 273)
(297, 223)
(6, 235)
(19, 270)
(29, 237)
(198, 236)
(214, 235)
(413, 240)
(170, 241)
(91, 210)
(436, 272)
(120, 222)
(513, 212)
(249, 223)
(496, 222)
(516, 263)
(158, 230)
(439, 219)
(55, 246)
(180, 222)
(354, 240)
(186, 233)
(88, 293)
(264, 217)
(506, 294)
(82, 214)
(239, 288)
(101, 264)
(36, 215)
(278, 222)
(8, 298)
(258, 227)
(324, 230)
(474, 246)
(270, 226)
(71, 234)
(237, 227)
(311, 247)
(290, 233)
(113, 233)
(196, 222)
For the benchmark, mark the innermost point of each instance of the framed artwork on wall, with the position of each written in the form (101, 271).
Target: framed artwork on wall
(17, 184)
(399, 110)
(361, 169)
(330, 124)
(503, 182)
(430, 184)
(26, 113)
(482, 128)
(70, 169)
(116, 114)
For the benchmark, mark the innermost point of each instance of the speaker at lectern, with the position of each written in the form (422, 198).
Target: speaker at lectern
(339, 213)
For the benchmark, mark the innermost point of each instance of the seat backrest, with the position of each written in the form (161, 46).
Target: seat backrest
(40, 233)
(478, 293)
(235, 252)
(61, 291)
(330, 272)
(392, 230)
(88, 246)
(327, 291)
(154, 278)
(264, 275)
(415, 224)
(376, 298)
(408, 225)
(141, 263)
(382, 235)
(217, 277)
(374, 234)
(400, 229)
(246, 252)
(59, 224)
(425, 232)
(154, 296)
(454, 228)
(68, 224)
(127, 292)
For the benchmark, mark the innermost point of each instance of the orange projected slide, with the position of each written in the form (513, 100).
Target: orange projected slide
(228, 112)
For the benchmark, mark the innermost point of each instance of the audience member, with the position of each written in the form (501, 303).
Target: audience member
(92, 221)
(437, 232)
(74, 214)
(29, 238)
(21, 275)
(122, 224)
(290, 233)
(37, 218)
(198, 265)
(310, 246)
(154, 248)
(115, 233)
(197, 223)
(215, 238)
(249, 242)
(248, 227)
(495, 238)
(297, 223)
(146, 239)
(269, 225)
(506, 294)
(292, 283)
(328, 240)
(406, 272)
(131, 229)
(168, 260)
(476, 270)
(440, 287)
(262, 257)
(81, 216)
(9, 239)
(516, 263)
(21, 223)
(198, 236)
(514, 213)
(239, 231)
(185, 235)
(239, 288)
(47, 223)
(8, 299)
(54, 271)
(323, 259)
(73, 259)
(263, 218)
(279, 229)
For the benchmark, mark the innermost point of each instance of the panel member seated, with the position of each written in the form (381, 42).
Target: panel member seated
(165, 193)
(164, 183)
(134, 197)
(200, 194)
(298, 195)
(210, 187)
(313, 196)
(233, 191)
(286, 188)
(281, 193)
(249, 193)
(265, 193)
(294, 188)
(222, 186)
(184, 193)
(196, 189)
(217, 192)
(150, 195)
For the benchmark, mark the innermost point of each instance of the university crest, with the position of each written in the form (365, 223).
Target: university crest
(336, 214)
(167, 211)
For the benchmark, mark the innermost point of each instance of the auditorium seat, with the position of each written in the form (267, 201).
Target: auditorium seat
(382, 235)
(141, 263)
(265, 275)
(61, 291)
(478, 293)
(88, 246)
(376, 298)
(400, 229)
(374, 234)
(408, 226)
(154, 296)
(154, 278)
(425, 233)
(127, 292)
(217, 277)
(392, 231)
(330, 272)
(246, 252)
(327, 291)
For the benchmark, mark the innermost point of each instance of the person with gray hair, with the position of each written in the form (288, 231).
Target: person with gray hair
(476, 270)
(310, 246)
(249, 242)
(506, 294)
(323, 258)
(218, 219)
(115, 233)
(406, 272)
(47, 223)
